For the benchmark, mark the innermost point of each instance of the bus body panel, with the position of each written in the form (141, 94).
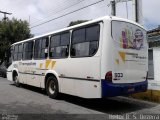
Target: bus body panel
(125, 55)
(9, 73)
(77, 73)
(9, 76)
(130, 53)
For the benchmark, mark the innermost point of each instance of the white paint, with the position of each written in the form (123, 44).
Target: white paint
(130, 40)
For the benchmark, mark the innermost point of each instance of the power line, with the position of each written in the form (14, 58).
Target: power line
(61, 6)
(34, 20)
(60, 10)
(67, 14)
(49, 29)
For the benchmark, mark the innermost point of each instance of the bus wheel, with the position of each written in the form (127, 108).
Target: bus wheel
(16, 81)
(52, 87)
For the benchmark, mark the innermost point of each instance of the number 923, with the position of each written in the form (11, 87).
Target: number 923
(118, 75)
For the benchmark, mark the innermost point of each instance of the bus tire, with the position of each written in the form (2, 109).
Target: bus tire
(16, 81)
(52, 87)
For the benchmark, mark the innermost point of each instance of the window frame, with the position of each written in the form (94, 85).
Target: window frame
(60, 33)
(87, 26)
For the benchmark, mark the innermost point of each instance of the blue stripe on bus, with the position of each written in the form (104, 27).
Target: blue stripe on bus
(115, 89)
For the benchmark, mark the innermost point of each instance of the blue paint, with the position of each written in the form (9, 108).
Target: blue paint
(119, 89)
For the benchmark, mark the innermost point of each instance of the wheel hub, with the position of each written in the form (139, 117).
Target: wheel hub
(52, 87)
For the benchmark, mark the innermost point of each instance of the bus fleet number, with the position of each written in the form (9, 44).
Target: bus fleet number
(118, 75)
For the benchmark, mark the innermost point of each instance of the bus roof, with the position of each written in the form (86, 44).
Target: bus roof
(82, 24)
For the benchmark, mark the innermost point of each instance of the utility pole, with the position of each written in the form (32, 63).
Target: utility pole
(136, 5)
(113, 7)
(137, 11)
(5, 13)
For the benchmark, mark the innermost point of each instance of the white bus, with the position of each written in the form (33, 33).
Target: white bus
(101, 58)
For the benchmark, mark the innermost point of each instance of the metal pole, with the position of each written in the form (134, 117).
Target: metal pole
(137, 11)
(113, 8)
(127, 9)
(134, 10)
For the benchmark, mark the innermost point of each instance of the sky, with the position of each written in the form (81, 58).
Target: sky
(39, 11)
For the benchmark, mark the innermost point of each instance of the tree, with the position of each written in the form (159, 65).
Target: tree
(76, 22)
(12, 31)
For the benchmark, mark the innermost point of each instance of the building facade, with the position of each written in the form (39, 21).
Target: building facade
(154, 58)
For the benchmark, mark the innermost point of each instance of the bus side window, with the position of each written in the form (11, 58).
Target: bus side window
(85, 41)
(92, 35)
(46, 47)
(20, 50)
(28, 50)
(17, 52)
(40, 47)
(78, 47)
(59, 47)
(15, 57)
(65, 40)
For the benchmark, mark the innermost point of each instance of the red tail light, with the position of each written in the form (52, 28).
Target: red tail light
(108, 76)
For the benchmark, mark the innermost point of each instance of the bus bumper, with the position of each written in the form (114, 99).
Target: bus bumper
(112, 89)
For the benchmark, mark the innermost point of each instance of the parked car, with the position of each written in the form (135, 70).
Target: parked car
(3, 69)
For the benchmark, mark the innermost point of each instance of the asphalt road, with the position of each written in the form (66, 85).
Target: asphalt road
(31, 100)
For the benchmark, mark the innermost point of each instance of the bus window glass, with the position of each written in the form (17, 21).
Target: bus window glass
(93, 47)
(43, 46)
(55, 41)
(28, 49)
(65, 38)
(60, 45)
(20, 51)
(92, 33)
(86, 44)
(20, 48)
(16, 48)
(39, 50)
(81, 49)
(17, 52)
(44, 43)
(78, 36)
(128, 36)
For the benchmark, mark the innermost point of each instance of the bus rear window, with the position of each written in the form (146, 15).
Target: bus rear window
(128, 36)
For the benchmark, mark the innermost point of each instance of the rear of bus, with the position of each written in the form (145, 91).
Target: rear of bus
(126, 61)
